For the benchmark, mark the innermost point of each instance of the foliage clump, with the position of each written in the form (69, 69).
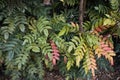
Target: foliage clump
(35, 36)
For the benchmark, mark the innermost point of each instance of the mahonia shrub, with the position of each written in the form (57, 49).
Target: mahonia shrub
(34, 37)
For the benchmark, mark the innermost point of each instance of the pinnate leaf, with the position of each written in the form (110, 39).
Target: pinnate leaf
(55, 52)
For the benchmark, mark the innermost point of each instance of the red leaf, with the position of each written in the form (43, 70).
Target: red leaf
(98, 29)
(107, 49)
(54, 61)
(103, 45)
(56, 57)
(55, 52)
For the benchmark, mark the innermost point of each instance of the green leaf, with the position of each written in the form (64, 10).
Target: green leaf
(50, 56)
(6, 35)
(46, 62)
(22, 27)
(46, 32)
(70, 48)
(35, 49)
(10, 55)
(19, 66)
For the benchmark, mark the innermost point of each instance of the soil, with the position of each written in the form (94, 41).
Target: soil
(55, 75)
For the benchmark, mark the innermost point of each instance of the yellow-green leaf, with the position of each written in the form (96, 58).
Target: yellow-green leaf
(107, 22)
(78, 61)
(69, 64)
(62, 32)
